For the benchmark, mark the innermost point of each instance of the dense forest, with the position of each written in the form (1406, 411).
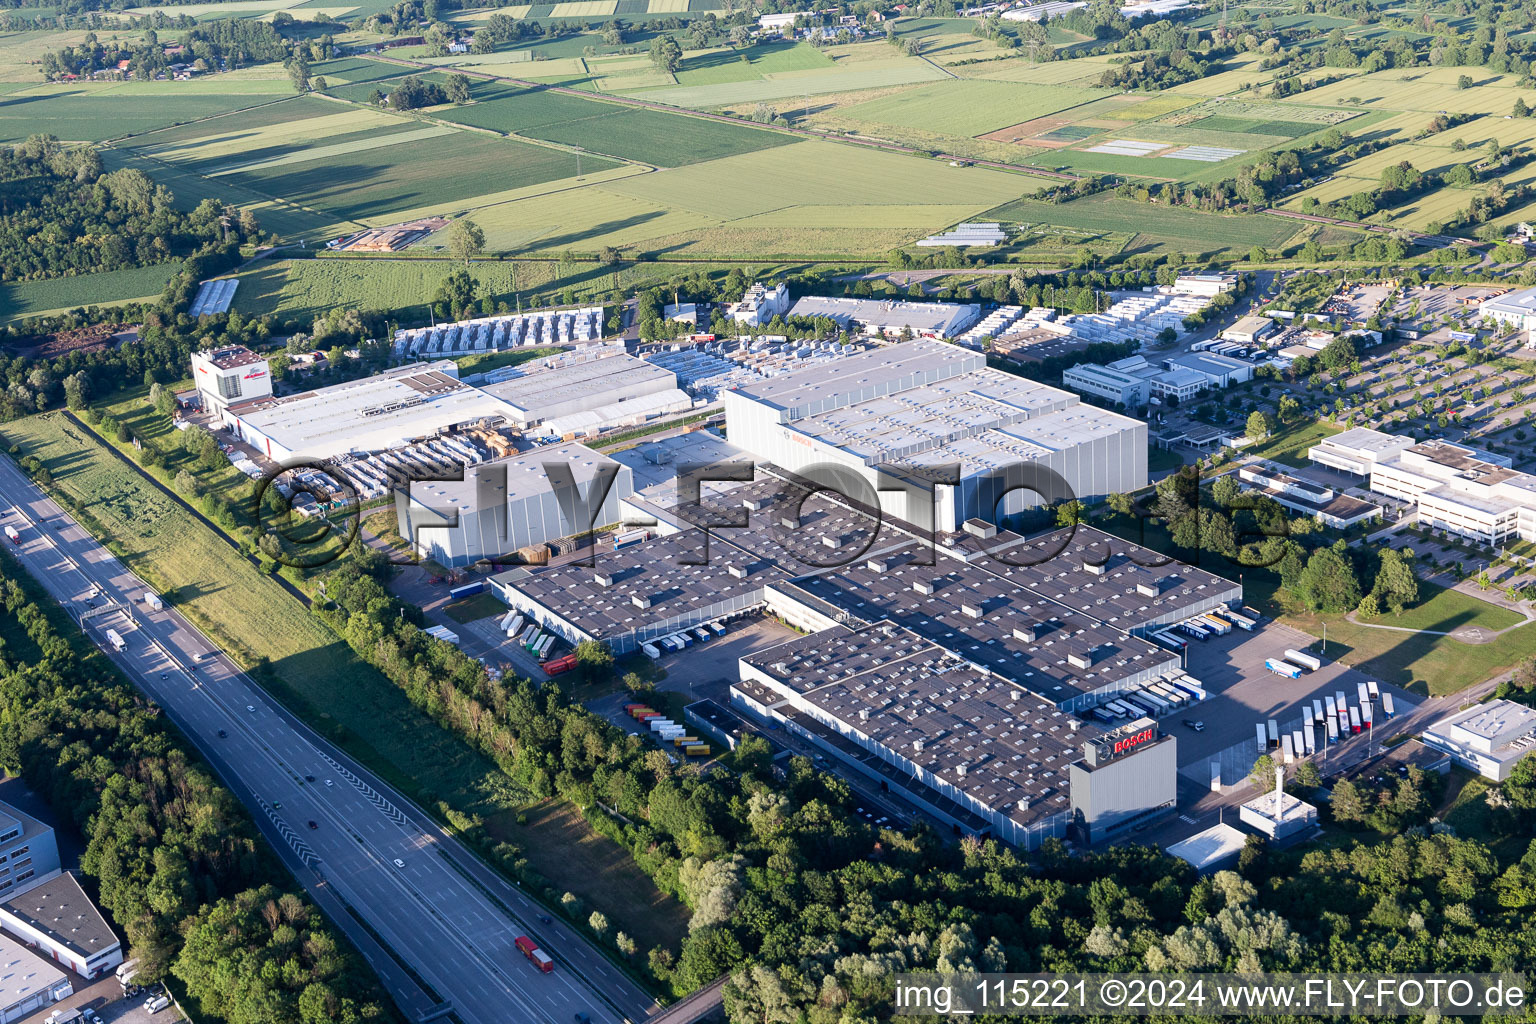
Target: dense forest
(173, 856)
(812, 910)
(60, 215)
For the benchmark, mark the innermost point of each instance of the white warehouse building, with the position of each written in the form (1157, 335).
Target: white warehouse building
(893, 416)
(506, 504)
(567, 387)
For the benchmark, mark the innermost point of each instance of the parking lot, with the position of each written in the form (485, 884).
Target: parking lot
(1244, 693)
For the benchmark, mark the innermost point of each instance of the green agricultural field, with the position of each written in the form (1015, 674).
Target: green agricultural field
(37, 298)
(796, 88)
(713, 67)
(95, 113)
(662, 139)
(1159, 227)
(369, 175)
(969, 107)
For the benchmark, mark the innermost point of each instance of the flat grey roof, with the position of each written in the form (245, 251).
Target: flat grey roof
(594, 382)
(60, 909)
(994, 740)
(24, 975)
(525, 476)
(858, 377)
(920, 316)
(373, 413)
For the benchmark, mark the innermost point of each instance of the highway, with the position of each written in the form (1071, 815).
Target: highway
(362, 851)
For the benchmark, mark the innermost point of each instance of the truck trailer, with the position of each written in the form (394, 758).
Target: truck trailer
(116, 640)
(1261, 737)
(535, 955)
(1386, 703)
(11, 535)
(1282, 668)
(1303, 659)
(1274, 733)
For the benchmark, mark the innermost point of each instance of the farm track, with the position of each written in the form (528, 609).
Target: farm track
(804, 133)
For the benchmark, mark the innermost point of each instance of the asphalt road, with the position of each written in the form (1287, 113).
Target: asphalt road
(422, 894)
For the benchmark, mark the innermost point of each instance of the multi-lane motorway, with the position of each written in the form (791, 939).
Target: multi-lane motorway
(435, 922)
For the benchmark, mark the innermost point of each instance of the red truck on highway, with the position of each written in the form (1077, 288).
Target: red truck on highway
(535, 955)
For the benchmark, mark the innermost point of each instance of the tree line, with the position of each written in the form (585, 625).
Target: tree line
(173, 857)
(61, 214)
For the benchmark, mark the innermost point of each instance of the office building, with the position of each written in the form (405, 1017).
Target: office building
(1205, 285)
(509, 503)
(28, 850)
(1488, 738)
(1326, 505)
(227, 376)
(1461, 490)
(56, 917)
(904, 418)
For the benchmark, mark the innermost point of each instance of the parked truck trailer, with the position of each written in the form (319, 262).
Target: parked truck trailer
(1303, 659)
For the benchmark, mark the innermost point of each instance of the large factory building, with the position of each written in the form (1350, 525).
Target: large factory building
(900, 418)
(506, 504)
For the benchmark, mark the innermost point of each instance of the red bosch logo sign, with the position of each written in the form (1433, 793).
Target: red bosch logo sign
(1134, 740)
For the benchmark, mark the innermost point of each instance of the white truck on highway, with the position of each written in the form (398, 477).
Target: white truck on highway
(11, 535)
(116, 640)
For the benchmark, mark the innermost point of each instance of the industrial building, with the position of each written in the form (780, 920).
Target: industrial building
(1045, 11)
(28, 850)
(1123, 389)
(1516, 309)
(1249, 330)
(970, 748)
(1204, 285)
(582, 392)
(1211, 850)
(760, 304)
(387, 410)
(28, 983)
(500, 333)
(1487, 738)
(706, 369)
(901, 416)
(509, 503)
(966, 235)
(982, 645)
(890, 318)
(1326, 505)
(229, 375)
(1278, 815)
(56, 917)
(1455, 488)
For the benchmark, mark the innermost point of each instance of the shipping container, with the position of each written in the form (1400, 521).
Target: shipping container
(1354, 719)
(1193, 630)
(697, 750)
(529, 632)
(703, 634)
(1373, 688)
(1303, 659)
(716, 628)
(650, 652)
(1262, 737)
(1104, 715)
(1274, 733)
(467, 590)
(1286, 748)
(683, 741)
(629, 538)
